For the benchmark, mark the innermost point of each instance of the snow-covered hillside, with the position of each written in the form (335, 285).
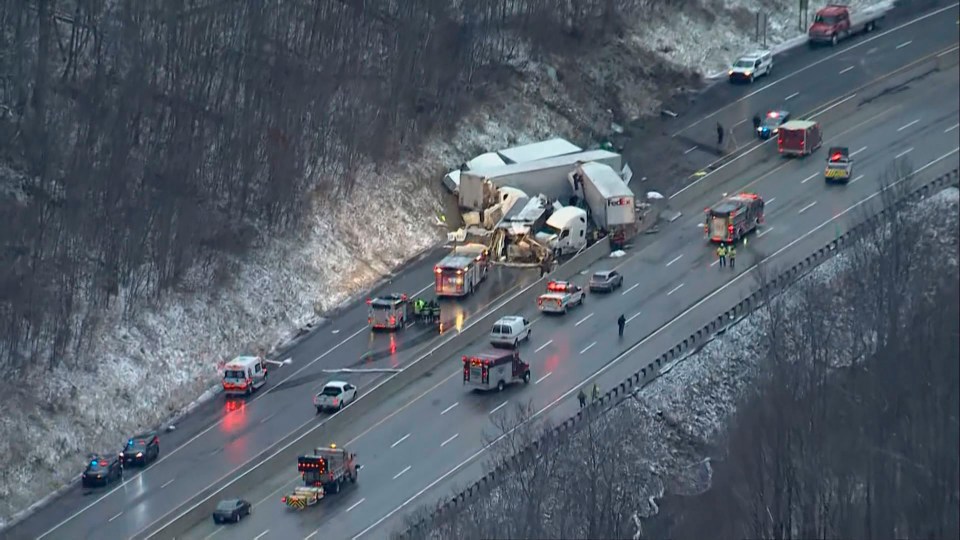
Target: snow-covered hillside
(289, 283)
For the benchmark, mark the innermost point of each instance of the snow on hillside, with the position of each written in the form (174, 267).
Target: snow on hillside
(162, 360)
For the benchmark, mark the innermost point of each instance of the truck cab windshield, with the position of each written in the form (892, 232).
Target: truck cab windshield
(550, 229)
(828, 20)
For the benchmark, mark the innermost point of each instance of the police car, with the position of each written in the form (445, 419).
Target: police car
(770, 125)
(101, 470)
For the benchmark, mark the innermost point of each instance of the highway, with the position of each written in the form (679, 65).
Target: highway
(213, 441)
(423, 445)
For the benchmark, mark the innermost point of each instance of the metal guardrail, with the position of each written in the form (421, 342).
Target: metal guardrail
(682, 350)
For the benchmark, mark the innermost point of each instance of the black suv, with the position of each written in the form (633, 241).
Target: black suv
(101, 470)
(141, 449)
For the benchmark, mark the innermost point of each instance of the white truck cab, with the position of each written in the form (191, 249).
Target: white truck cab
(566, 230)
(243, 375)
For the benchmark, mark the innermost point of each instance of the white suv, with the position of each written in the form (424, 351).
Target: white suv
(750, 66)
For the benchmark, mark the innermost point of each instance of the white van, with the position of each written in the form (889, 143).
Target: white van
(510, 330)
(565, 231)
(243, 375)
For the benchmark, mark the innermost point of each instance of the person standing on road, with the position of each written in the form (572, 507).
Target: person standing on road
(596, 391)
(733, 256)
(621, 322)
(582, 397)
(719, 134)
(756, 123)
(722, 255)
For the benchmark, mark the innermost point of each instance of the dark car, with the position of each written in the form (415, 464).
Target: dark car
(605, 280)
(231, 510)
(141, 449)
(771, 123)
(101, 470)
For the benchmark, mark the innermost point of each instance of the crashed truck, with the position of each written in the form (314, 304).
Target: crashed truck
(610, 204)
(324, 471)
(518, 154)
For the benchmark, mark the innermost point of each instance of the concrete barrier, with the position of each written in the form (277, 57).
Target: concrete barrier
(947, 177)
(284, 453)
(832, 113)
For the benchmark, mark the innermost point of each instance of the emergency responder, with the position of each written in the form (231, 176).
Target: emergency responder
(722, 254)
(719, 134)
(582, 397)
(756, 123)
(621, 322)
(596, 391)
(732, 253)
(418, 308)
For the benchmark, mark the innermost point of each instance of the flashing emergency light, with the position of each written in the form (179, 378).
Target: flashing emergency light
(730, 230)
(557, 286)
(836, 157)
(333, 445)
(773, 114)
(437, 269)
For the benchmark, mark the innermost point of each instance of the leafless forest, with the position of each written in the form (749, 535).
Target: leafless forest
(851, 430)
(140, 138)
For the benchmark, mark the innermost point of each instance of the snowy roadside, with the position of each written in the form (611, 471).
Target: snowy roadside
(163, 362)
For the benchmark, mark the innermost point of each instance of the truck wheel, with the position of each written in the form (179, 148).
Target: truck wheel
(319, 410)
(353, 477)
(500, 386)
(833, 40)
(582, 298)
(526, 377)
(516, 342)
(870, 27)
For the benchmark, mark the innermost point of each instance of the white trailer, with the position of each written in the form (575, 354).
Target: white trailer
(610, 201)
(546, 176)
(538, 150)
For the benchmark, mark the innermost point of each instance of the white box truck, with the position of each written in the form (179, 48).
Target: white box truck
(610, 201)
(546, 176)
(537, 151)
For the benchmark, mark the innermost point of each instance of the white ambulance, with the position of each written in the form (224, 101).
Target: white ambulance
(243, 375)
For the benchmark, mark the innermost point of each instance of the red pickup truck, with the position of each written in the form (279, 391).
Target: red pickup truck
(835, 22)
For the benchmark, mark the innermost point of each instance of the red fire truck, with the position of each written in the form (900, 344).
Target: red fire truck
(733, 217)
(495, 369)
(459, 273)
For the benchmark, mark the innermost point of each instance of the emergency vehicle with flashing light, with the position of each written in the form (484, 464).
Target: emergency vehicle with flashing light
(243, 375)
(101, 470)
(560, 296)
(799, 138)
(495, 369)
(733, 217)
(839, 165)
(389, 312)
(141, 449)
(334, 396)
(324, 471)
(770, 125)
(460, 272)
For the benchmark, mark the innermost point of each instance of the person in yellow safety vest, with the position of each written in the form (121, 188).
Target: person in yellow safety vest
(722, 254)
(732, 253)
(418, 306)
(596, 391)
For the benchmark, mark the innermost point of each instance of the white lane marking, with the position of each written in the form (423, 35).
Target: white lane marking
(204, 432)
(716, 262)
(769, 202)
(905, 126)
(423, 289)
(549, 373)
(791, 96)
(675, 259)
(399, 474)
(951, 128)
(634, 316)
(763, 232)
(588, 347)
(807, 207)
(167, 483)
(855, 152)
(817, 63)
(352, 506)
(744, 121)
(905, 152)
(261, 535)
(583, 320)
(904, 44)
(809, 178)
(446, 442)
(445, 411)
(498, 407)
(268, 417)
(688, 150)
(675, 289)
(632, 287)
(394, 445)
(544, 346)
(844, 70)
(334, 332)
(115, 517)
(855, 179)
(644, 341)
(311, 535)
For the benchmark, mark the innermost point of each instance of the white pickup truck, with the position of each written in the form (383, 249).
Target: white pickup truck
(560, 296)
(334, 396)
